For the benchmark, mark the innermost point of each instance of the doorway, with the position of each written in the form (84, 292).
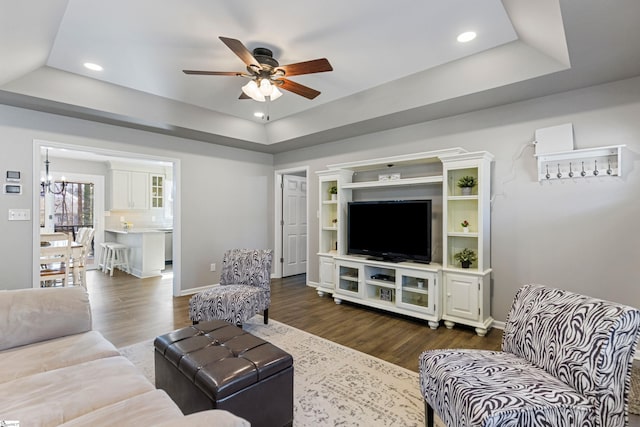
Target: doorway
(291, 236)
(105, 155)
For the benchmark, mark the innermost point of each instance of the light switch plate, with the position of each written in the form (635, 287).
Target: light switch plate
(19, 214)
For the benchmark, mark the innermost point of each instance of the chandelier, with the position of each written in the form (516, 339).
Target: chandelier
(47, 185)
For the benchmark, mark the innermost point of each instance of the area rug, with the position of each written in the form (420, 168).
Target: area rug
(333, 385)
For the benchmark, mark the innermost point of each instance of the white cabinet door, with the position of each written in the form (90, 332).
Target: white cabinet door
(327, 272)
(129, 190)
(120, 189)
(139, 190)
(462, 296)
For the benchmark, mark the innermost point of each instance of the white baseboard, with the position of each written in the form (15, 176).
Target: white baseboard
(312, 284)
(196, 290)
(498, 325)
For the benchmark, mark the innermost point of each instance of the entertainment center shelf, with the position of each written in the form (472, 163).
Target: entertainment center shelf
(432, 292)
(393, 183)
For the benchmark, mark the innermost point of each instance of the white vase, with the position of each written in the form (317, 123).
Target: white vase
(465, 229)
(466, 191)
(334, 197)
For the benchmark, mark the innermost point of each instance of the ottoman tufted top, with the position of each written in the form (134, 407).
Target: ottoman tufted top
(220, 358)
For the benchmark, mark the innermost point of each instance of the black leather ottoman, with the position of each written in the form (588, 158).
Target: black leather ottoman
(215, 365)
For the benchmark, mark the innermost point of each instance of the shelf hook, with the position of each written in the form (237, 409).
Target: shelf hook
(570, 171)
(559, 175)
(609, 170)
(547, 175)
(595, 170)
(583, 173)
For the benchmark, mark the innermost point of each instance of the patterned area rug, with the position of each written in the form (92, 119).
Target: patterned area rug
(333, 385)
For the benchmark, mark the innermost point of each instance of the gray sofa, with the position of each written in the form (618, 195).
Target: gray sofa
(55, 370)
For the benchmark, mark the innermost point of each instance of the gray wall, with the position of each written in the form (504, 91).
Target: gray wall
(227, 194)
(577, 235)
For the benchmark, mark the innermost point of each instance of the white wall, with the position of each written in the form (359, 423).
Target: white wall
(579, 235)
(227, 194)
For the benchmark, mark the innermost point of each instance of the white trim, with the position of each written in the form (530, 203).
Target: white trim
(277, 235)
(312, 284)
(198, 289)
(498, 325)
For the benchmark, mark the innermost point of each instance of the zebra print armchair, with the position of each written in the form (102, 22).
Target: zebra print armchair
(565, 361)
(244, 290)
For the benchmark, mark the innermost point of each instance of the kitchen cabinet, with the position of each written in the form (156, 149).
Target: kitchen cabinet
(129, 190)
(157, 191)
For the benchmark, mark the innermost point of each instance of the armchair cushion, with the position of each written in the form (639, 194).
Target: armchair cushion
(233, 303)
(497, 389)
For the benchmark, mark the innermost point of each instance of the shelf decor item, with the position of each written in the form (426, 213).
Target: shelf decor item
(465, 257)
(333, 191)
(465, 226)
(466, 183)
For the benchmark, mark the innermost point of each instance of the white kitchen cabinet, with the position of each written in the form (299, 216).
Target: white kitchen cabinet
(129, 190)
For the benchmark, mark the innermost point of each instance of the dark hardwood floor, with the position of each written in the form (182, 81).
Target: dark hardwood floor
(127, 310)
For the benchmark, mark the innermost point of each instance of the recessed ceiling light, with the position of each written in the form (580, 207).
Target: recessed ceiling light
(92, 66)
(258, 115)
(466, 36)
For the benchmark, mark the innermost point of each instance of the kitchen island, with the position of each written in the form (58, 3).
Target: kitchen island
(146, 249)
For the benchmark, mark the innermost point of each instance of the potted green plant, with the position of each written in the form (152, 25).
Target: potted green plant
(465, 257)
(333, 192)
(465, 226)
(466, 183)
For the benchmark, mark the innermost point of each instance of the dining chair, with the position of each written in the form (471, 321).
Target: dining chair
(55, 255)
(80, 254)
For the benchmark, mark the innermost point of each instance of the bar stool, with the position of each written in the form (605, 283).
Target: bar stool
(104, 254)
(117, 256)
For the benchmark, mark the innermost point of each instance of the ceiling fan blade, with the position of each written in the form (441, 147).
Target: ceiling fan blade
(213, 73)
(298, 89)
(307, 67)
(243, 53)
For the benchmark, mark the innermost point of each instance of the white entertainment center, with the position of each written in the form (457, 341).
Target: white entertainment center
(441, 290)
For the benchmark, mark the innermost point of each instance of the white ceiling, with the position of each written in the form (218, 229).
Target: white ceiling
(395, 63)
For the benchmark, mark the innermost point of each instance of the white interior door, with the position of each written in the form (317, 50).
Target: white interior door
(294, 225)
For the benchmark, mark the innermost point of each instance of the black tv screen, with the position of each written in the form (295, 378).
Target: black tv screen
(398, 230)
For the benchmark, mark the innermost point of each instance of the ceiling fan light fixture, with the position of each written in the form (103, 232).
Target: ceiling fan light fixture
(252, 91)
(265, 87)
(275, 93)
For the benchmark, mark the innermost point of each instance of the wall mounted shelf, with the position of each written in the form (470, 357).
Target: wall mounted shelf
(583, 163)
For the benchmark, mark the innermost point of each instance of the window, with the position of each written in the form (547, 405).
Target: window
(72, 206)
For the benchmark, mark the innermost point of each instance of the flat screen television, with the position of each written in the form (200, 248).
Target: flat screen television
(398, 230)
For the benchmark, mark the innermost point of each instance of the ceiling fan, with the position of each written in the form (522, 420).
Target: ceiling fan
(266, 74)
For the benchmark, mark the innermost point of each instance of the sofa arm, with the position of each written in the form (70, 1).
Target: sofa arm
(211, 417)
(33, 315)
